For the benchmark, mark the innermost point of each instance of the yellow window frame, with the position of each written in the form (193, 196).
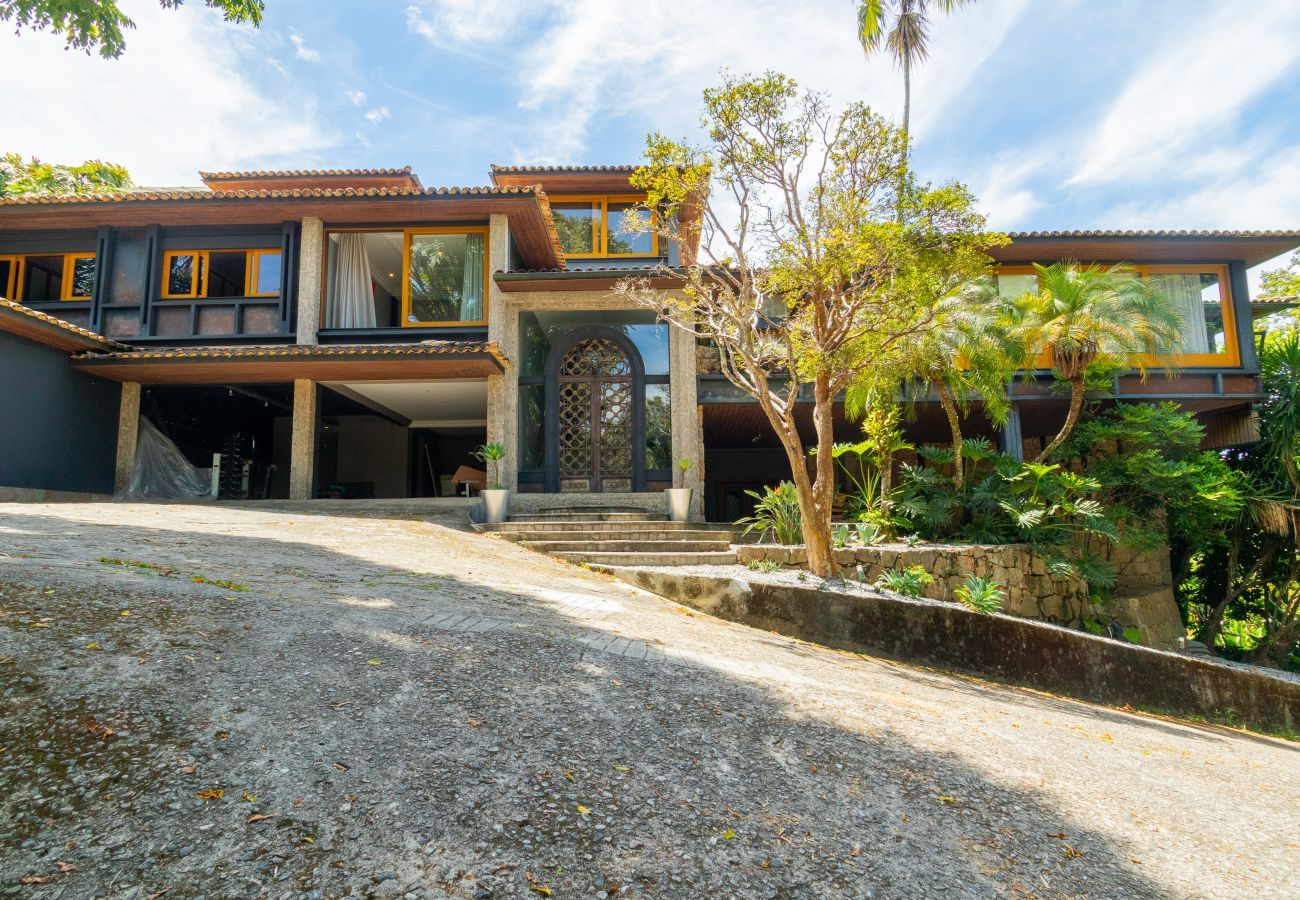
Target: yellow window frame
(1230, 358)
(252, 270)
(69, 268)
(407, 234)
(9, 289)
(600, 224)
(18, 266)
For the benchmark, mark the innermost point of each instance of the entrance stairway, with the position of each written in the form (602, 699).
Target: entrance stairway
(610, 536)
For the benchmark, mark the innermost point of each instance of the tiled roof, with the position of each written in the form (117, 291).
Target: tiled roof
(423, 348)
(137, 196)
(603, 270)
(10, 306)
(1152, 233)
(306, 173)
(545, 168)
(1277, 299)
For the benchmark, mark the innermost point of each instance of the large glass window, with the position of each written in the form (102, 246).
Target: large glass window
(602, 226)
(658, 427)
(446, 277)
(47, 277)
(541, 329)
(195, 274)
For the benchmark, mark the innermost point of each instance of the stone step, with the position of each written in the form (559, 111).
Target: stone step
(718, 558)
(585, 525)
(602, 547)
(721, 535)
(591, 515)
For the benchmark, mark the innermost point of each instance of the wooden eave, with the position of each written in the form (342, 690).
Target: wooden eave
(567, 179)
(45, 329)
(1251, 247)
(532, 231)
(585, 279)
(259, 365)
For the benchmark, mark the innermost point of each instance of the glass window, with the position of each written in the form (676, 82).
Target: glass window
(82, 283)
(266, 269)
(658, 427)
(625, 224)
(578, 227)
(1199, 298)
(445, 278)
(227, 273)
(532, 437)
(184, 274)
(1013, 286)
(42, 279)
(7, 269)
(542, 329)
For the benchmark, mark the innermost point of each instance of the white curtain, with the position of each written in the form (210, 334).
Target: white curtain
(471, 292)
(1185, 291)
(352, 295)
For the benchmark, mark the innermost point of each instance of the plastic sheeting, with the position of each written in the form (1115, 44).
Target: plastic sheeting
(161, 471)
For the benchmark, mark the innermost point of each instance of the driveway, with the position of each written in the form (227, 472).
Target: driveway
(316, 701)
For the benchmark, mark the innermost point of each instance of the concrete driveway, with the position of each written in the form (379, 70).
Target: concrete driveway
(315, 701)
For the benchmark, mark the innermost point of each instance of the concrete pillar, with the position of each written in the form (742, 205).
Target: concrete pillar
(503, 327)
(302, 452)
(688, 432)
(310, 279)
(128, 433)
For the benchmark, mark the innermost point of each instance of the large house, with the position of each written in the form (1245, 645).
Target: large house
(356, 334)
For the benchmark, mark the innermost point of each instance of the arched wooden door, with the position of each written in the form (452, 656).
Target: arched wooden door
(596, 397)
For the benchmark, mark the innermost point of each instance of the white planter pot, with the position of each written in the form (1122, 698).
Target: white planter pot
(679, 504)
(496, 504)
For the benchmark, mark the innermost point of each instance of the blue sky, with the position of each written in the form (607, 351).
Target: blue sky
(1058, 113)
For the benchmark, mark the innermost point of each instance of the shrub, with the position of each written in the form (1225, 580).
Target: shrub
(764, 565)
(776, 513)
(910, 582)
(981, 594)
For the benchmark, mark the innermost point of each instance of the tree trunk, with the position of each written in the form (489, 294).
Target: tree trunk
(954, 425)
(817, 526)
(1209, 635)
(907, 106)
(1076, 403)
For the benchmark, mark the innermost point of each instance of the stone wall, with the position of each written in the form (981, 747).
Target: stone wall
(1143, 596)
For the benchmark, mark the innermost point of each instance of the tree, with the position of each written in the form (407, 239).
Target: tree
(901, 26)
(823, 270)
(34, 178)
(1087, 316)
(90, 24)
(1282, 282)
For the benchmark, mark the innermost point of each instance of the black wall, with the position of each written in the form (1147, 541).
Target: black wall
(58, 428)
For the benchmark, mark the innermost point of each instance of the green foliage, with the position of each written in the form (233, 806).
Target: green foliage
(683, 466)
(764, 565)
(981, 594)
(1282, 282)
(910, 582)
(98, 24)
(492, 454)
(776, 514)
(33, 178)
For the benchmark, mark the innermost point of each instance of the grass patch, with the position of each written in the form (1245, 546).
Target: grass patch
(168, 571)
(220, 582)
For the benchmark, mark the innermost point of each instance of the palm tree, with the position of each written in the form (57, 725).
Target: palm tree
(1084, 315)
(900, 25)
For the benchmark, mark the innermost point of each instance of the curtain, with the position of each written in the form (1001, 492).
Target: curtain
(1185, 291)
(471, 291)
(352, 295)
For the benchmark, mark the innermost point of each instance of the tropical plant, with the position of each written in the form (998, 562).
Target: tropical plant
(1086, 316)
(867, 466)
(776, 514)
(981, 594)
(683, 466)
(900, 26)
(492, 454)
(33, 178)
(823, 223)
(90, 24)
(910, 582)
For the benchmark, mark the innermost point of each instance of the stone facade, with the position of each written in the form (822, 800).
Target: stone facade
(1143, 602)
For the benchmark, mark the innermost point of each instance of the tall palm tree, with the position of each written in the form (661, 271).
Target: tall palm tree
(901, 27)
(1085, 315)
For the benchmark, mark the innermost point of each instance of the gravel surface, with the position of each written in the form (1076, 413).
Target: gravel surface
(267, 701)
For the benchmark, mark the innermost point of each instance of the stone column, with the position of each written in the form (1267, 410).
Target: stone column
(310, 275)
(128, 433)
(688, 434)
(302, 452)
(503, 390)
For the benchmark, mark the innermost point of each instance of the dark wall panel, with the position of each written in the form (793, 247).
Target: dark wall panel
(58, 428)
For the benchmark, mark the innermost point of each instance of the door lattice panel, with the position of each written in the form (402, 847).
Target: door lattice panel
(575, 428)
(595, 357)
(615, 429)
(595, 414)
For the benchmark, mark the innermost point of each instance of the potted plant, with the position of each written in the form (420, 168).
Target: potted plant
(679, 496)
(496, 499)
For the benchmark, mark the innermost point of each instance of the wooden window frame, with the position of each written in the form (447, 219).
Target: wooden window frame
(69, 268)
(199, 288)
(253, 269)
(600, 225)
(407, 234)
(9, 290)
(1229, 359)
(18, 266)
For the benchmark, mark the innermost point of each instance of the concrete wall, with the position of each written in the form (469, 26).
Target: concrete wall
(1005, 648)
(58, 428)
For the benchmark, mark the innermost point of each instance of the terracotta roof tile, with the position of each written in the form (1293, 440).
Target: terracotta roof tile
(13, 307)
(1104, 233)
(305, 173)
(545, 168)
(139, 196)
(423, 348)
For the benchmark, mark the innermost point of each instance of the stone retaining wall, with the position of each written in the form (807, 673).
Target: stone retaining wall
(1005, 648)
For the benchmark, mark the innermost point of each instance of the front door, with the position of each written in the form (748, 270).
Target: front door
(596, 391)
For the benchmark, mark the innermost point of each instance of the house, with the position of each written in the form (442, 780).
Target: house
(352, 333)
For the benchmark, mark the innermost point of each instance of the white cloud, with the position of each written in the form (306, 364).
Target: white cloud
(302, 51)
(1197, 83)
(179, 100)
(377, 115)
(356, 98)
(451, 23)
